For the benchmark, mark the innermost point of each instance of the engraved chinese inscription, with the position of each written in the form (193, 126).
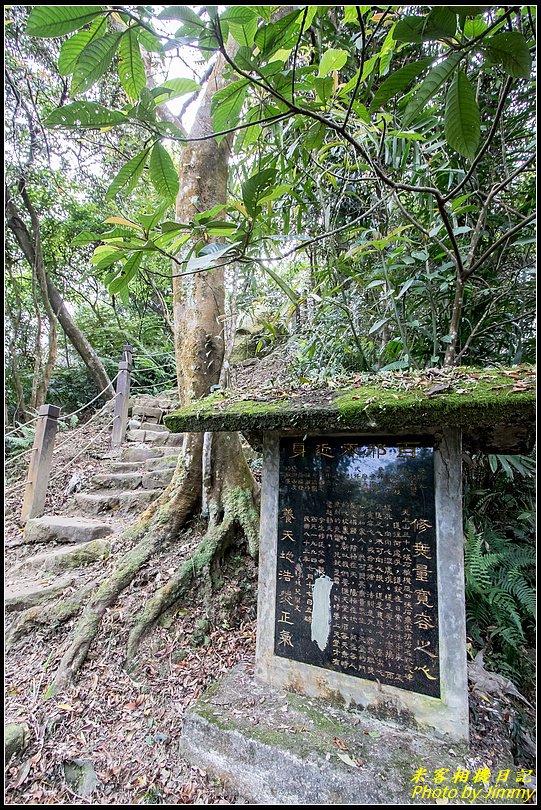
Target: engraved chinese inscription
(356, 584)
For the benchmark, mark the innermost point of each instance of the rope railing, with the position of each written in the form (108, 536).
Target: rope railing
(153, 385)
(19, 455)
(82, 408)
(43, 450)
(72, 433)
(80, 453)
(20, 428)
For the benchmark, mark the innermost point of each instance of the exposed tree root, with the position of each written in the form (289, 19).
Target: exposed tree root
(231, 499)
(239, 511)
(160, 522)
(51, 615)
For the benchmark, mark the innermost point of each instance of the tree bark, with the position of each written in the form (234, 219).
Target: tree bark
(31, 248)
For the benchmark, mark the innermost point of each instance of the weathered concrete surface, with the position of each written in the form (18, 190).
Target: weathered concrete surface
(148, 411)
(142, 453)
(162, 463)
(154, 427)
(110, 501)
(157, 478)
(27, 595)
(16, 737)
(120, 480)
(80, 776)
(64, 558)
(272, 747)
(52, 528)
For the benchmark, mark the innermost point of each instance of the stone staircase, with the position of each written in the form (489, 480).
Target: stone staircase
(84, 535)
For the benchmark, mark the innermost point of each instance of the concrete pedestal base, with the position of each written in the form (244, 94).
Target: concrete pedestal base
(275, 747)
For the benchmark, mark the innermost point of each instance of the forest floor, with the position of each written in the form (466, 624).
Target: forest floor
(127, 726)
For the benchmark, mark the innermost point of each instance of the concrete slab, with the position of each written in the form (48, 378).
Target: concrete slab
(64, 558)
(154, 427)
(53, 528)
(272, 747)
(119, 480)
(110, 501)
(23, 595)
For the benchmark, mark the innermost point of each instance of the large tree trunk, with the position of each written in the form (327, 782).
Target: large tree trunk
(53, 301)
(211, 467)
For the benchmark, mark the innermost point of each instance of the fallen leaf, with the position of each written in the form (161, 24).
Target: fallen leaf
(341, 744)
(347, 759)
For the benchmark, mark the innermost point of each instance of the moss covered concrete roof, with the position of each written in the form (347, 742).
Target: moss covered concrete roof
(494, 407)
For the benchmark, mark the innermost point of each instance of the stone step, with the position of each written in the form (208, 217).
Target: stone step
(143, 452)
(129, 466)
(154, 427)
(107, 500)
(119, 480)
(23, 595)
(53, 528)
(63, 558)
(154, 437)
(158, 478)
(149, 411)
(161, 463)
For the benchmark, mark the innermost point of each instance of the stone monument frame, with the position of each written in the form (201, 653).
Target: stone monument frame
(447, 715)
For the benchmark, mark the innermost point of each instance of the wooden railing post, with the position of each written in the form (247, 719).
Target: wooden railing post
(122, 395)
(37, 479)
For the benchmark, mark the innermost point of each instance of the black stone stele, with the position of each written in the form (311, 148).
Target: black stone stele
(356, 585)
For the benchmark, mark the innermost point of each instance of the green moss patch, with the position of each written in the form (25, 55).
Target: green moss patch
(499, 404)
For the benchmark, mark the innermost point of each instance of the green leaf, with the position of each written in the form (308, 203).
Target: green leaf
(173, 88)
(183, 13)
(55, 21)
(397, 81)
(149, 41)
(72, 48)
(255, 188)
(289, 291)
(324, 88)
(145, 109)
(473, 28)
(276, 193)
(242, 22)
(409, 29)
(163, 174)
(510, 50)
(131, 70)
(378, 325)
(84, 114)
(469, 11)
(350, 15)
(441, 22)
(93, 62)
(129, 174)
(129, 270)
(280, 34)
(106, 255)
(430, 86)
(226, 105)
(85, 238)
(462, 119)
(332, 59)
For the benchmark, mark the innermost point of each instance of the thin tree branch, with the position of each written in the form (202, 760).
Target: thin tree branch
(507, 235)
